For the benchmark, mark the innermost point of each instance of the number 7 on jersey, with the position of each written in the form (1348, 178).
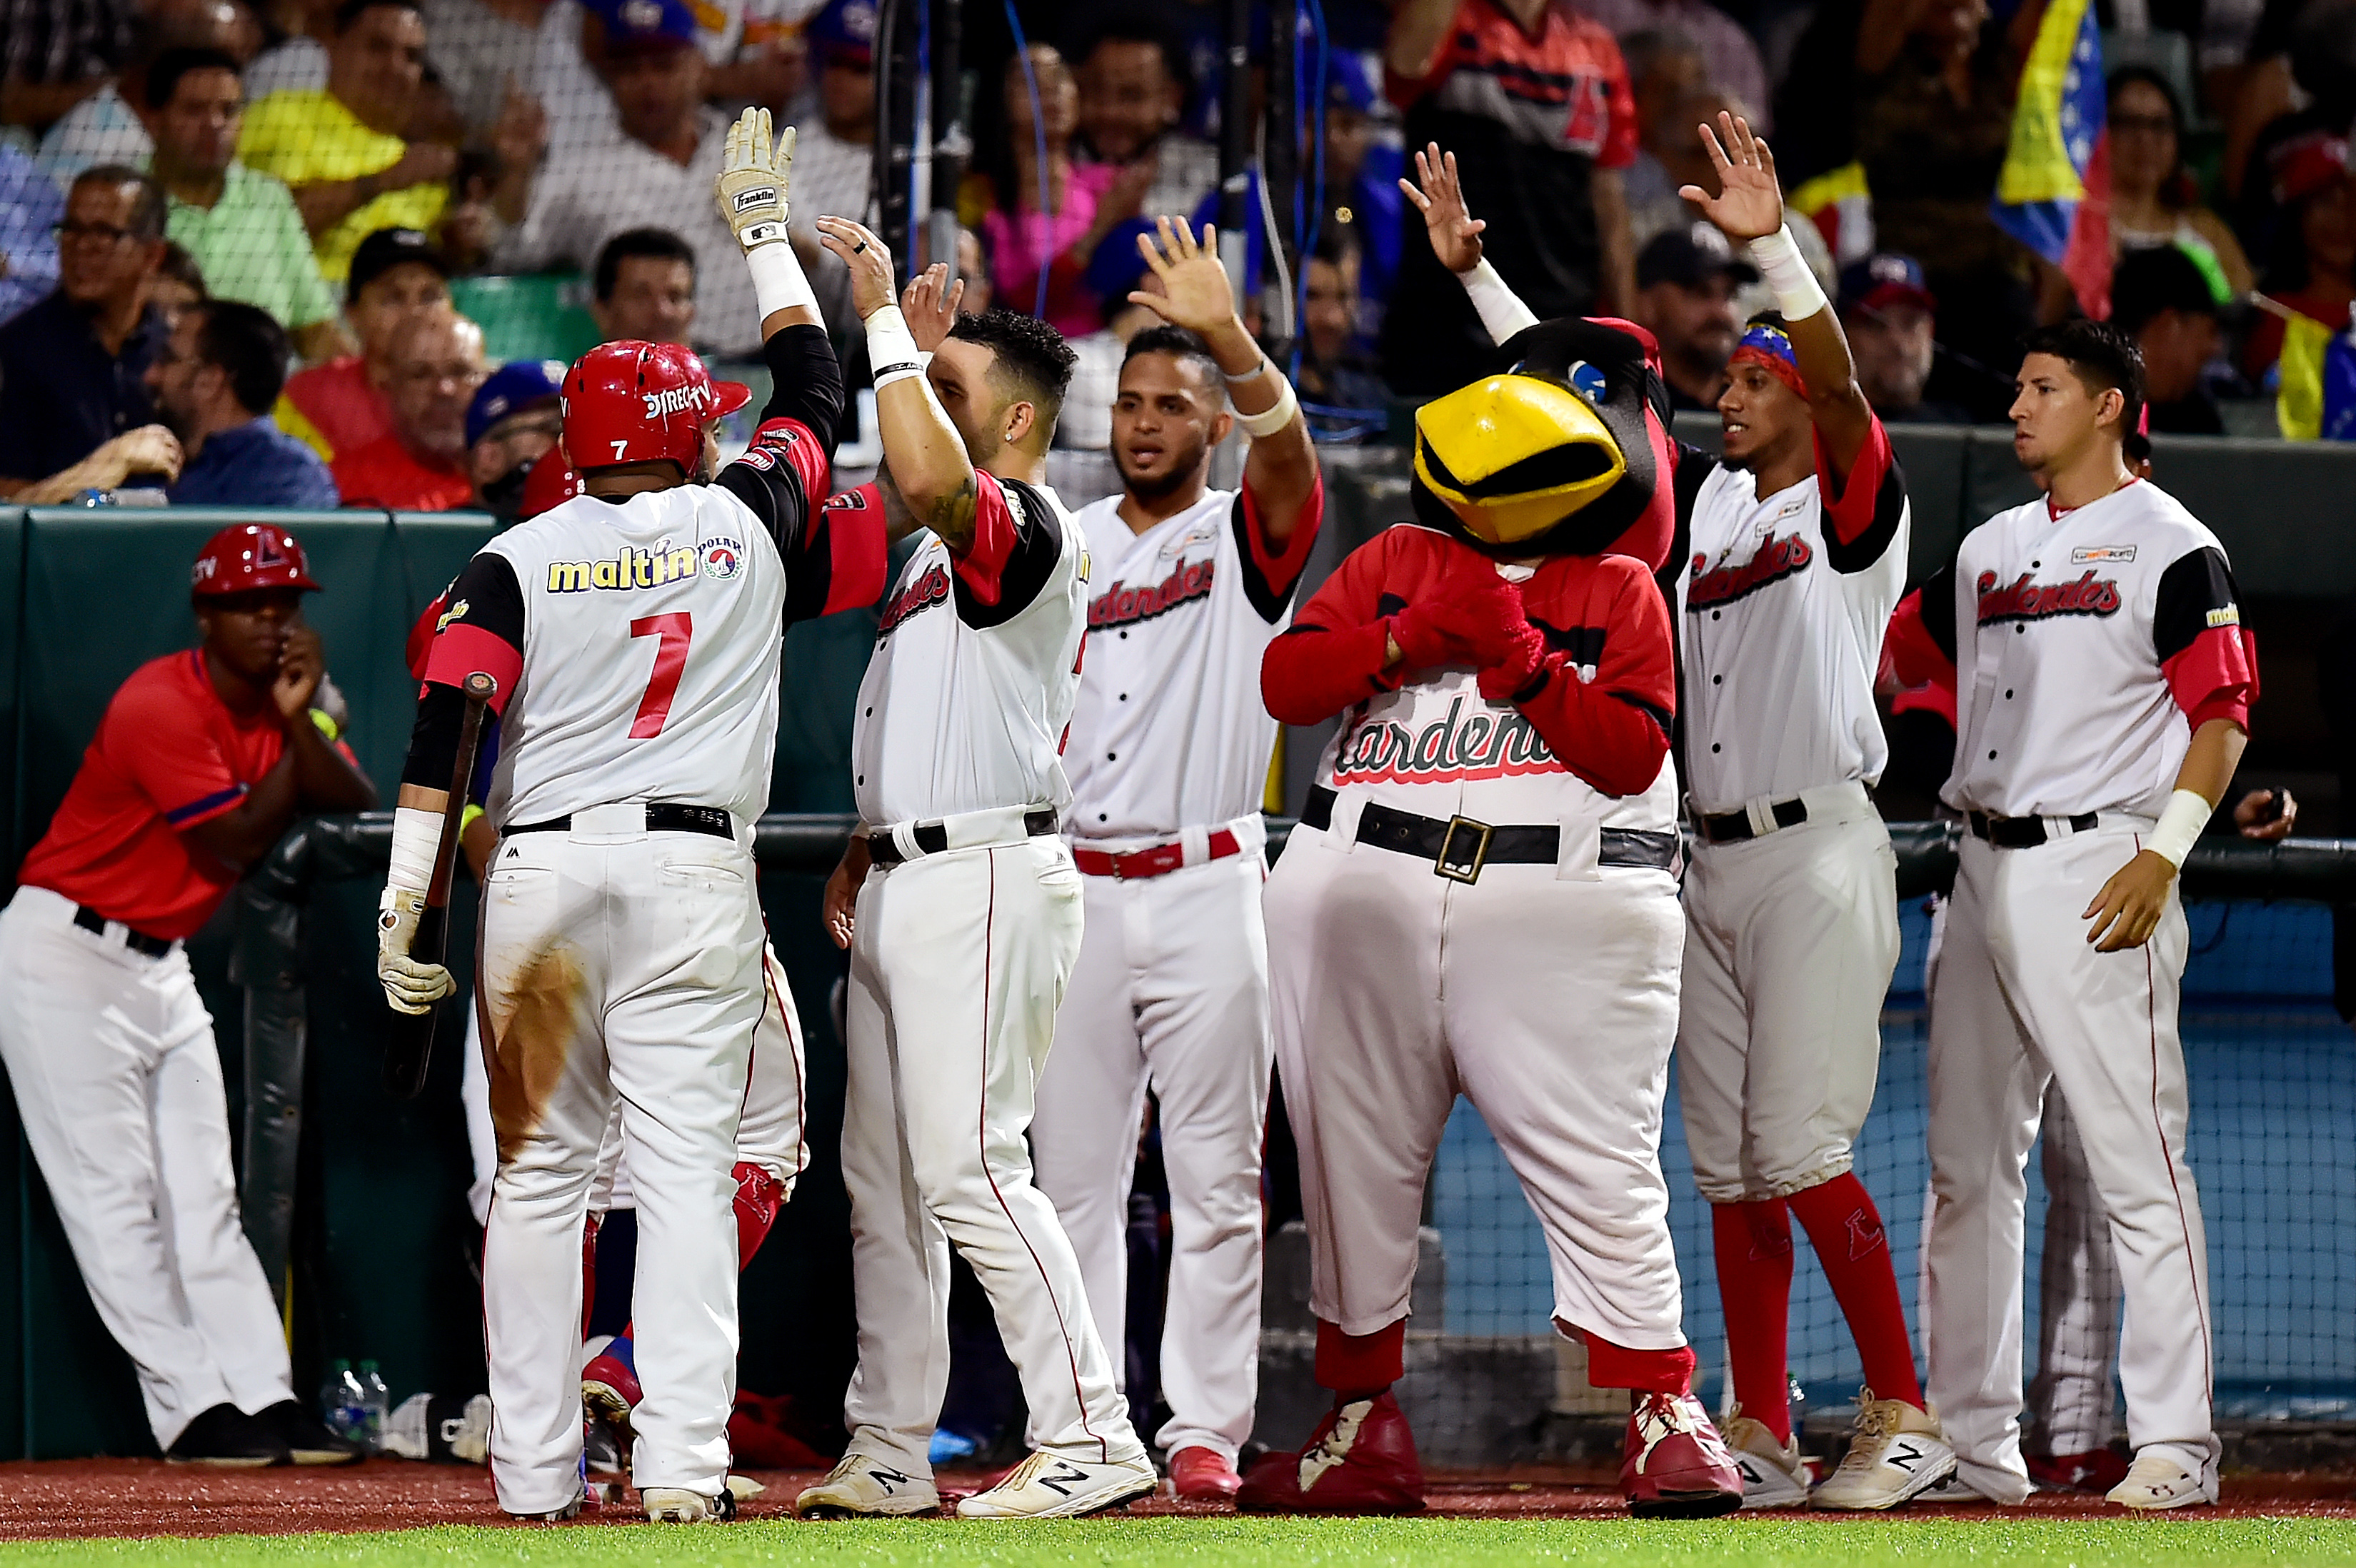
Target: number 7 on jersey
(671, 634)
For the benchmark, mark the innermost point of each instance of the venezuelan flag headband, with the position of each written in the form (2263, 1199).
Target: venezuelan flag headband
(1768, 346)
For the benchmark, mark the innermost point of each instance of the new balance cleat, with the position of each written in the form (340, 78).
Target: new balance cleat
(677, 1505)
(1774, 1474)
(2158, 1481)
(1048, 1486)
(861, 1488)
(1898, 1450)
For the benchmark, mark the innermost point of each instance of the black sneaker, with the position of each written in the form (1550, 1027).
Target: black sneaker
(306, 1439)
(227, 1436)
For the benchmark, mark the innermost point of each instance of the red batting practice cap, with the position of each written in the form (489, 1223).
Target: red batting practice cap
(245, 556)
(635, 402)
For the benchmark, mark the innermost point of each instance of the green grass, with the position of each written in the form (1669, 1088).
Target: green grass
(1309, 1543)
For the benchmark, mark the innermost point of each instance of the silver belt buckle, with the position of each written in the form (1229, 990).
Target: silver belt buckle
(1441, 865)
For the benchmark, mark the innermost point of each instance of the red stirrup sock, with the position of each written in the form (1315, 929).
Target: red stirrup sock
(1845, 1230)
(1754, 1247)
(759, 1195)
(588, 1272)
(1361, 1366)
(1646, 1372)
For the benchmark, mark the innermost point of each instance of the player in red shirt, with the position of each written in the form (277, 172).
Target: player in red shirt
(201, 761)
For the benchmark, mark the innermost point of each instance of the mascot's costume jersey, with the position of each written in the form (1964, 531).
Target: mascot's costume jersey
(1481, 898)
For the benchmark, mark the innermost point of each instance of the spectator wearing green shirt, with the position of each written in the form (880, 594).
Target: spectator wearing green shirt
(240, 226)
(340, 149)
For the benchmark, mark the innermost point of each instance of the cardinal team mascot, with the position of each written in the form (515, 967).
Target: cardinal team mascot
(1481, 898)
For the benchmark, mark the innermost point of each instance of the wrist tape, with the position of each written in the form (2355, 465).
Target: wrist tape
(1501, 309)
(416, 833)
(2180, 825)
(777, 280)
(1797, 294)
(1260, 426)
(891, 349)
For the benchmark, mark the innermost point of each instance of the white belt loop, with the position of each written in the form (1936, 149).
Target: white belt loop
(903, 839)
(1761, 810)
(1193, 845)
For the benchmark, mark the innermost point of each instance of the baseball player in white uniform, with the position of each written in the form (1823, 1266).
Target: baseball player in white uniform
(962, 910)
(1168, 759)
(1797, 556)
(634, 634)
(2103, 687)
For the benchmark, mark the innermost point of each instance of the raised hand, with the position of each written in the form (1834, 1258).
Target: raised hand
(1750, 204)
(930, 305)
(1455, 232)
(752, 187)
(1200, 298)
(860, 250)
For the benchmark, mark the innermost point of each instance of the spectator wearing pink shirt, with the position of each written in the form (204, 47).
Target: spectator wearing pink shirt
(1085, 201)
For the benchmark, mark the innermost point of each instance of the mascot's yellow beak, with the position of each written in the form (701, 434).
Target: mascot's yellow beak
(1514, 455)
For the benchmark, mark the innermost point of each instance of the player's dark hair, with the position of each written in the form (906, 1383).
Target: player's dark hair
(1030, 354)
(2103, 357)
(1179, 342)
(164, 76)
(147, 206)
(1135, 25)
(2156, 279)
(249, 346)
(352, 10)
(656, 244)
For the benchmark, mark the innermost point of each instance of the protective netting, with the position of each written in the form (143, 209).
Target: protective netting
(2273, 1146)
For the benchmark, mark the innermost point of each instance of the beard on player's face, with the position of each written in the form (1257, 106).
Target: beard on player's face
(1151, 482)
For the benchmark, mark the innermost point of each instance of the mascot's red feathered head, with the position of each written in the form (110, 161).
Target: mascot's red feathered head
(1565, 452)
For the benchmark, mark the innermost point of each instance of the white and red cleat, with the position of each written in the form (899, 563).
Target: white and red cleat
(1674, 1465)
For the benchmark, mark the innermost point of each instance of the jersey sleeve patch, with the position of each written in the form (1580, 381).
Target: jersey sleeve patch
(481, 629)
(1271, 574)
(1862, 514)
(1017, 540)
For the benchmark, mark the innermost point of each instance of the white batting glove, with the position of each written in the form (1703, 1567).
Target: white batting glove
(409, 986)
(753, 181)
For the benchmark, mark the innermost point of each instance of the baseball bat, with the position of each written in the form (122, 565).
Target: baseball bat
(409, 1050)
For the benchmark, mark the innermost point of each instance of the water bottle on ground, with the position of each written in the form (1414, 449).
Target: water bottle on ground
(376, 1400)
(343, 1404)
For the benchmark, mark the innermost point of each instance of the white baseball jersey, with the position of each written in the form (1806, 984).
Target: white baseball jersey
(2088, 646)
(1437, 747)
(1168, 732)
(1786, 599)
(976, 666)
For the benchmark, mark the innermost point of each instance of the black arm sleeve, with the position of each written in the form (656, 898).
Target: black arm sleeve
(486, 602)
(805, 382)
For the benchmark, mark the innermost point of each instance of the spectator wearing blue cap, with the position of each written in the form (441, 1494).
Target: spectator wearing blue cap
(514, 421)
(1889, 316)
(659, 175)
(834, 157)
(214, 382)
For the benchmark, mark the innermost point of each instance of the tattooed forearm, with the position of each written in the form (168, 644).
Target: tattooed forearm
(952, 517)
(899, 522)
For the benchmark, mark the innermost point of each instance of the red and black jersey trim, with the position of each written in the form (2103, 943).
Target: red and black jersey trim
(1272, 576)
(488, 636)
(2196, 595)
(1861, 519)
(1029, 558)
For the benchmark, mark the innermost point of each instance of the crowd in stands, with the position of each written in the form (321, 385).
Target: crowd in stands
(229, 228)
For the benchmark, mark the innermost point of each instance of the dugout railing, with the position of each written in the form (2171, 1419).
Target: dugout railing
(1487, 1382)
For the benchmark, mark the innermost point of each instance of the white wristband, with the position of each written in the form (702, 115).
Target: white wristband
(891, 349)
(778, 281)
(1260, 426)
(1501, 309)
(2180, 825)
(1797, 294)
(416, 834)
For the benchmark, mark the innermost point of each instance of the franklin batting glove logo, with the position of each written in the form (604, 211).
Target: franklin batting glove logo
(759, 196)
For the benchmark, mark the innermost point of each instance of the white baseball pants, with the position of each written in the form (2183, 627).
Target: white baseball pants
(1171, 989)
(1790, 942)
(2021, 998)
(1550, 1002)
(118, 1083)
(616, 967)
(958, 964)
(2078, 1295)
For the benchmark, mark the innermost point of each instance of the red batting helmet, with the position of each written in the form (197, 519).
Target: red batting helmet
(549, 485)
(635, 402)
(245, 556)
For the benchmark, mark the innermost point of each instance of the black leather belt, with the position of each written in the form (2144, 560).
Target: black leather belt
(1459, 847)
(662, 816)
(2024, 832)
(138, 942)
(1731, 826)
(933, 838)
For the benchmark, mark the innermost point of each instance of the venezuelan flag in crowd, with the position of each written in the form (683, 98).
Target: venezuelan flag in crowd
(2054, 193)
